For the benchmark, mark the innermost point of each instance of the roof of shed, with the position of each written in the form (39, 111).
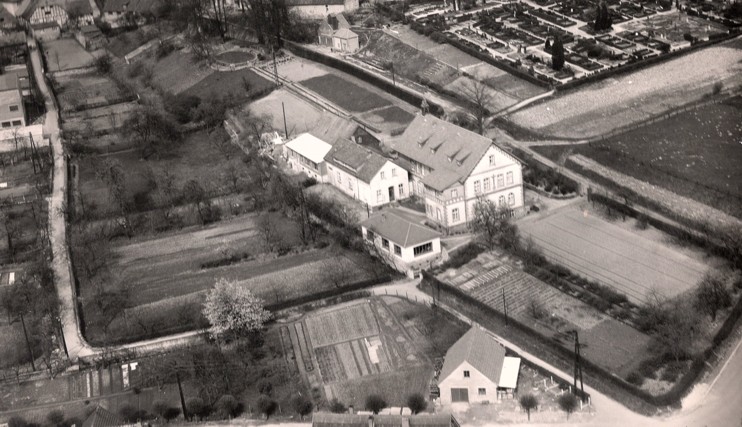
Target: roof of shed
(394, 225)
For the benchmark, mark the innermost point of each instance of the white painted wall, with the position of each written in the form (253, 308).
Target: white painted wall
(394, 176)
(402, 261)
(475, 381)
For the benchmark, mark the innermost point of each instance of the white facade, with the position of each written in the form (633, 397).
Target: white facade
(405, 258)
(306, 153)
(389, 184)
(497, 177)
(478, 388)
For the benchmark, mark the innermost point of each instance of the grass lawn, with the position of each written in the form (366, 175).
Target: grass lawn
(695, 154)
(612, 255)
(166, 278)
(177, 72)
(236, 56)
(65, 54)
(237, 83)
(344, 93)
(87, 89)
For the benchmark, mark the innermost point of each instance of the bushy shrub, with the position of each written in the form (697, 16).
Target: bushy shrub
(265, 387)
(463, 255)
(197, 408)
(227, 406)
(375, 403)
(55, 417)
(266, 406)
(635, 378)
(309, 182)
(336, 407)
(165, 48)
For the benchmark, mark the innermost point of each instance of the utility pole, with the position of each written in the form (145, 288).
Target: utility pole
(28, 344)
(285, 128)
(578, 366)
(275, 67)
(180, 390)
(505, 308)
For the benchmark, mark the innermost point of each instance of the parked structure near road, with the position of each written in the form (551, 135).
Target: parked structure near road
(365, 175)
(453, 167)
(321, 8)
(306, 153)
(324, 419)
(476, 370)
(402, 242)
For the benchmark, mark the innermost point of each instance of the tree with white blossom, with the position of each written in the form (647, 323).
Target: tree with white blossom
(233, 311)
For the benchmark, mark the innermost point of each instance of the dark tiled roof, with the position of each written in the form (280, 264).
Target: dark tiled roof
(393, 225)
(12, 39)
(451, 151)
(480, 350)
(103, 418)
(355, 159)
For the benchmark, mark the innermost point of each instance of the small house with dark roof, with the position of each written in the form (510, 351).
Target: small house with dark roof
(476, 370)
(402, 240)
(321, 8)
(365, 175)
(452, 168)
(345, 40)
(324, 419)
(329, 25)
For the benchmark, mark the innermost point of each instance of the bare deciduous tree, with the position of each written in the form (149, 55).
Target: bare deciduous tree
(481, 102)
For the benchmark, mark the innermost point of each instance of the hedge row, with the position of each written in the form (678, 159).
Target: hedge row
(544, 171)
(368, 77)
(486, 57)
(618, 388)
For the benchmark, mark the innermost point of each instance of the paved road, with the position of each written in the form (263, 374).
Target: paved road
(76, 345)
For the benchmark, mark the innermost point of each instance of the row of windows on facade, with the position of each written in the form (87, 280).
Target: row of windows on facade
(416, 251)
(487, 183)
(455, 214)
(11, 124)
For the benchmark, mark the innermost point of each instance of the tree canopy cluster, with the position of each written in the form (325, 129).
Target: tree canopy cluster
(603, 20)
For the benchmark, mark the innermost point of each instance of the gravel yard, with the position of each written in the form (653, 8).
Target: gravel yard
(601, 107)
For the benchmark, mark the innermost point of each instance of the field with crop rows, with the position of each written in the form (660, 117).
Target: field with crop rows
(374, 345)
(494, 280)
(598, 108)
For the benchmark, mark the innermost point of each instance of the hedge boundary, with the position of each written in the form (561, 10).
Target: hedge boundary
(607, 382)
(368, 77)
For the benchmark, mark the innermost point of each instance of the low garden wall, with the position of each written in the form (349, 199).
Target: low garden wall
(401, 93)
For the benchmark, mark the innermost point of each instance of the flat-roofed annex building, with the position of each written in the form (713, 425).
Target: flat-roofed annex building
(402, 241)
(452, 168)
(12, 111)
(306, 153)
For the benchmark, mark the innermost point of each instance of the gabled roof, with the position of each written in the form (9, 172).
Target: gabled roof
(480, 350)
(345, 33)
(393, 224)
(451, 151)
(355, 159)
(333, 128)
(310, 147)
(103, 418)
(6, 18)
